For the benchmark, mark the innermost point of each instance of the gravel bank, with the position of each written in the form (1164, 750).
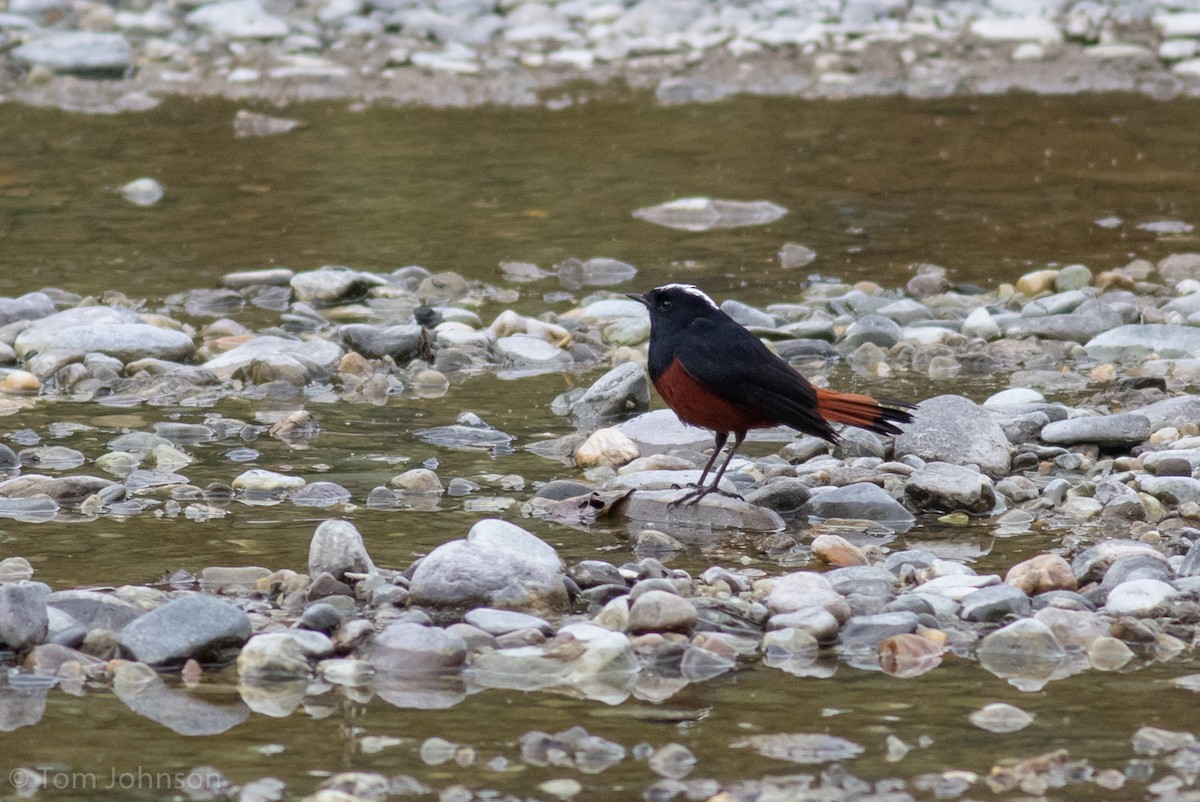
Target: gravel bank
(93, 56)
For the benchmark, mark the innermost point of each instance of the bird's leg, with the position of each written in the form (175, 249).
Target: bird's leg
(696, 495)
(720, 438)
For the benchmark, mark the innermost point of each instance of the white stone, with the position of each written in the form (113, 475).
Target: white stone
(1139, 597)
(981, 324)
(1030, 29)
(1028, 51)
(238, 19)
(1177, 49)
(1181, 24)
(1189, 67)
(1014, 396)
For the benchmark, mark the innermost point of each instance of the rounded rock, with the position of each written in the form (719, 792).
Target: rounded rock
(661, 611)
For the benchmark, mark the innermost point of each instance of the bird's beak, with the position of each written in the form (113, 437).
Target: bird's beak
(637, 296)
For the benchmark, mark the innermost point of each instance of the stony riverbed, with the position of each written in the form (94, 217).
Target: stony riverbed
(1094, 447)
(97, 56)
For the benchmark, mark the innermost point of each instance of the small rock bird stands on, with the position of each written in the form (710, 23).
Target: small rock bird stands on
(717, 375)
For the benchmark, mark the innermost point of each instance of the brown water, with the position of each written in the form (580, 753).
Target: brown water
(988, 188)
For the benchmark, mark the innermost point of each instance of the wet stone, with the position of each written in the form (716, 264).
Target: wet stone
(1023, 650)
(864, 580)
(909, 655)
(1173, 490)
(81, 52)
(1091, 564)
(1127, 342)
(468, 432)
(194, 625)
(272, 657)
(994, 604)
(595, 272)
(320, 494)
(94, 609)
(873, 329)
(803, 748)
(1000, 718)
(702, 214)
(258, 481)
(498, 564)
(606, 447)
(837, 551)
(1041, 574)
(786, 496)
(402, 343)
(953, 429)
(24, 621)
(713, 510)
(870, 630)
(660, 611)
(941, 487)
(1139, 598)
(624, 389)
(674, 761)
(1106, 431)
(862, 501)
(500, 622)
(337, 549)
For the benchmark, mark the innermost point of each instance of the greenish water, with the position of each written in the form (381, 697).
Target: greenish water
(988, 188)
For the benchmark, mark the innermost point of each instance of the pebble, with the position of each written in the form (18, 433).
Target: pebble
(942, 487)
(994, 604)
(258, 481)
(238, 19)
(954, 430)
(1127, 342)
(607, 447)
(498, 565)
(1001, 718)
(909, 655)
(660, 611)
(1023, 650)
(1107, 431)
(1139, 597)
(624, 389)
(193, 625)
(407, 649)
(417, 480)
(337, 549)
(272, 657)
(24, 620)
(83, 52)
(863, 501)
(143, 191)
(703, 214)
(1041, 574)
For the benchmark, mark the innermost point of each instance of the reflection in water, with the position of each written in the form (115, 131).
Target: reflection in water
(147, 695)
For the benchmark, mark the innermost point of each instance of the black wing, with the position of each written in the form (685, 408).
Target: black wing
(734, 364)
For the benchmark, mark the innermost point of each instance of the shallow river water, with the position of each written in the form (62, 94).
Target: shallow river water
(988, 188)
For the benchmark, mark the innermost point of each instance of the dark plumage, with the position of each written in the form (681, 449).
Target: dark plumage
(717, 375)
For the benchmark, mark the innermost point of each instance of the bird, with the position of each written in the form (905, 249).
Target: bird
(715, 374)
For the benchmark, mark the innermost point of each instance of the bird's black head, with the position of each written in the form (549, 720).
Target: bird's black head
(676, 304)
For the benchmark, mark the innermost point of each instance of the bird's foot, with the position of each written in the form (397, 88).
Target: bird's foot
(692, 498)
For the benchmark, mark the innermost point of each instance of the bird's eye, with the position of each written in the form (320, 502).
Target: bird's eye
(665, 303)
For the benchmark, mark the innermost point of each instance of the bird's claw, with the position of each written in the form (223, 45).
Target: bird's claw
(692, 498)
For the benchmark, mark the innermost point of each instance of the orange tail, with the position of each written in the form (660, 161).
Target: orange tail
(862, 411)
